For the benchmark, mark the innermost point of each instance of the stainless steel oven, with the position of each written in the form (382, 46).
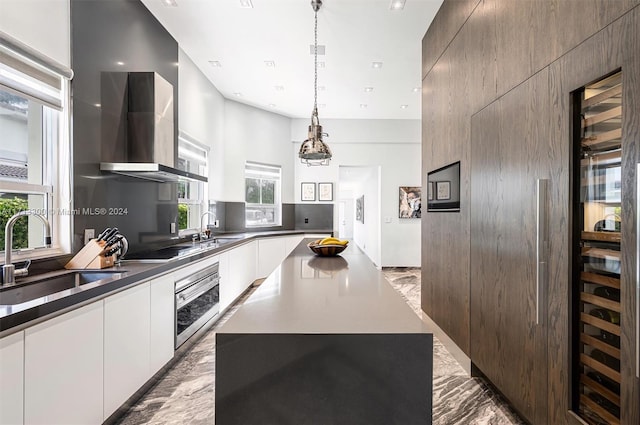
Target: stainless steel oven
(197, 301)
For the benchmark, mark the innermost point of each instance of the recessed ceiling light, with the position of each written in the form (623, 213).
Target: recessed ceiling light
(320, 64)
(363, 105)
(97, 105)
(279, 88)
(416, 89)
(215, 64)
(321, 48)
(404, 106)
(368, 89)
(397, 4)
(119, 63)
(270, 64)
(376, 65)
(237, 94)
(170, 3)
(272, 105)
(246, 4)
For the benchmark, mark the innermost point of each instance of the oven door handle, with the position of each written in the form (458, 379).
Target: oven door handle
(189, 294)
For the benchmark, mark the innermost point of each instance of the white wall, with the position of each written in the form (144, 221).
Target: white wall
(42, 24)
(367, 235)
(252, 134)
(394, 145)
(201, 115)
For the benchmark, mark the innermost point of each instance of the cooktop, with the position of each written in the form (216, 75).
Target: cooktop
(160, 254)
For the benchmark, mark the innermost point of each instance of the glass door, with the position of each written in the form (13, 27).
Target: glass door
(597, 262)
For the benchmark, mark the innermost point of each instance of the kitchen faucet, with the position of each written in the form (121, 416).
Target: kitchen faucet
(203, 233)
(9, 272)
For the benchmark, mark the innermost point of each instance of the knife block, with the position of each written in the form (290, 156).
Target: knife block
(90, 257)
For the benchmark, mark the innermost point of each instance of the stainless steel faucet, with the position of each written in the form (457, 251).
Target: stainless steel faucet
(9, 272)
(203, 234)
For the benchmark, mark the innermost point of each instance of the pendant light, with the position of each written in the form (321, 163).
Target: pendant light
(313, 150)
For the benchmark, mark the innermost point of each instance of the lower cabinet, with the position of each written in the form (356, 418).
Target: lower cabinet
(290, 243)
(11, 378)
(239, 274)
(162, 333)
(127, 324)
(271, 252)
(63, 369)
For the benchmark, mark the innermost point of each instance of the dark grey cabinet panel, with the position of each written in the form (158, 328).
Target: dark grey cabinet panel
(508, 342)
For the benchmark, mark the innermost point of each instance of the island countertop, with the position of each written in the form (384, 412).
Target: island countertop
(306, 294)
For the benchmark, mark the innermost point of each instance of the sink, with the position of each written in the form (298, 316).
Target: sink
(42, 288)
(226, 239)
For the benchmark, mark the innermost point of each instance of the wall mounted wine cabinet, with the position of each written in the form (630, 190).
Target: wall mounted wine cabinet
(597, 264)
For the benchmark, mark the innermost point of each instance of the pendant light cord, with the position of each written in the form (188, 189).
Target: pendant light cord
(315, 64)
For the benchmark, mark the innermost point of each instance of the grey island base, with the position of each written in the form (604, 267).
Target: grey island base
(324, 341)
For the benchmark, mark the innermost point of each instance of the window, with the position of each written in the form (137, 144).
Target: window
(262, 195)
(35, 155)
(192, 195)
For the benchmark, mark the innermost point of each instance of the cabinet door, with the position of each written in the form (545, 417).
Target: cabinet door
(63, 369)
(226, 292)
(271, 252)
(12, 378)
(126, 345)
(510, 151)
(242, 270)
(291, 242)
(162, 338)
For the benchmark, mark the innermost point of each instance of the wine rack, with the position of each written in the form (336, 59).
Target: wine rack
(596, 336)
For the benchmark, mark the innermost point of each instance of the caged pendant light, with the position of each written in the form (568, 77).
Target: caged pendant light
(313, 150)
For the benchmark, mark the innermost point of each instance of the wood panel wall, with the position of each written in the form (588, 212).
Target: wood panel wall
(474, 53)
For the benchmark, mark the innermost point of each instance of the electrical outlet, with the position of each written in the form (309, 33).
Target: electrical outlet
(172, 228)
(88, 235)
(216, 223)
(306, 220)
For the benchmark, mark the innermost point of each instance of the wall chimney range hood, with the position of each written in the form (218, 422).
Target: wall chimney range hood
(150, 171)
(138, 132)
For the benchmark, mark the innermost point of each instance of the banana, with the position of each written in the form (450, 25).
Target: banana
(332, 241)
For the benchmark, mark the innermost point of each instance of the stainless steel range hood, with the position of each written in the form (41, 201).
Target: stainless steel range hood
(150, 171)
(145, 147)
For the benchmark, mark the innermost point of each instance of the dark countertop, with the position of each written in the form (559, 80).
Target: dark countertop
(14, 318)
(308, 294)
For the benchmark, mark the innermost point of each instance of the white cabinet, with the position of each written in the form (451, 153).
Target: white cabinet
(290, 242)
(271, 252)
(126, 345)
(63, 369)
(162, 322)
(11, 378)
(225, 288)
(241, 273)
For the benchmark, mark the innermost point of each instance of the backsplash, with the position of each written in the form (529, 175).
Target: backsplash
(231, 217)
(109, 38)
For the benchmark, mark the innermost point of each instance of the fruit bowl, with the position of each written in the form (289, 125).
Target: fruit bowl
(327, 250)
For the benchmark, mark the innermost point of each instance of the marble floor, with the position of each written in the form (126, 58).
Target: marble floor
(185, 395)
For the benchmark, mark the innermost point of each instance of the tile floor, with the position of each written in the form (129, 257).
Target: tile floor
(185, 395)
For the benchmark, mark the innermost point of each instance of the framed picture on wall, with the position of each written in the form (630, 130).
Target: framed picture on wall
(443, 190)
(308, 191)
(360, 209)
(409, 202)
(325, 191)
(430, 191)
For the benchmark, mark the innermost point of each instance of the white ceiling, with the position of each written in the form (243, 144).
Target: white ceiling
(355, 32)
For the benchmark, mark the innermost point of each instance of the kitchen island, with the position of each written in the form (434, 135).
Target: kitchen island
(324, 340)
